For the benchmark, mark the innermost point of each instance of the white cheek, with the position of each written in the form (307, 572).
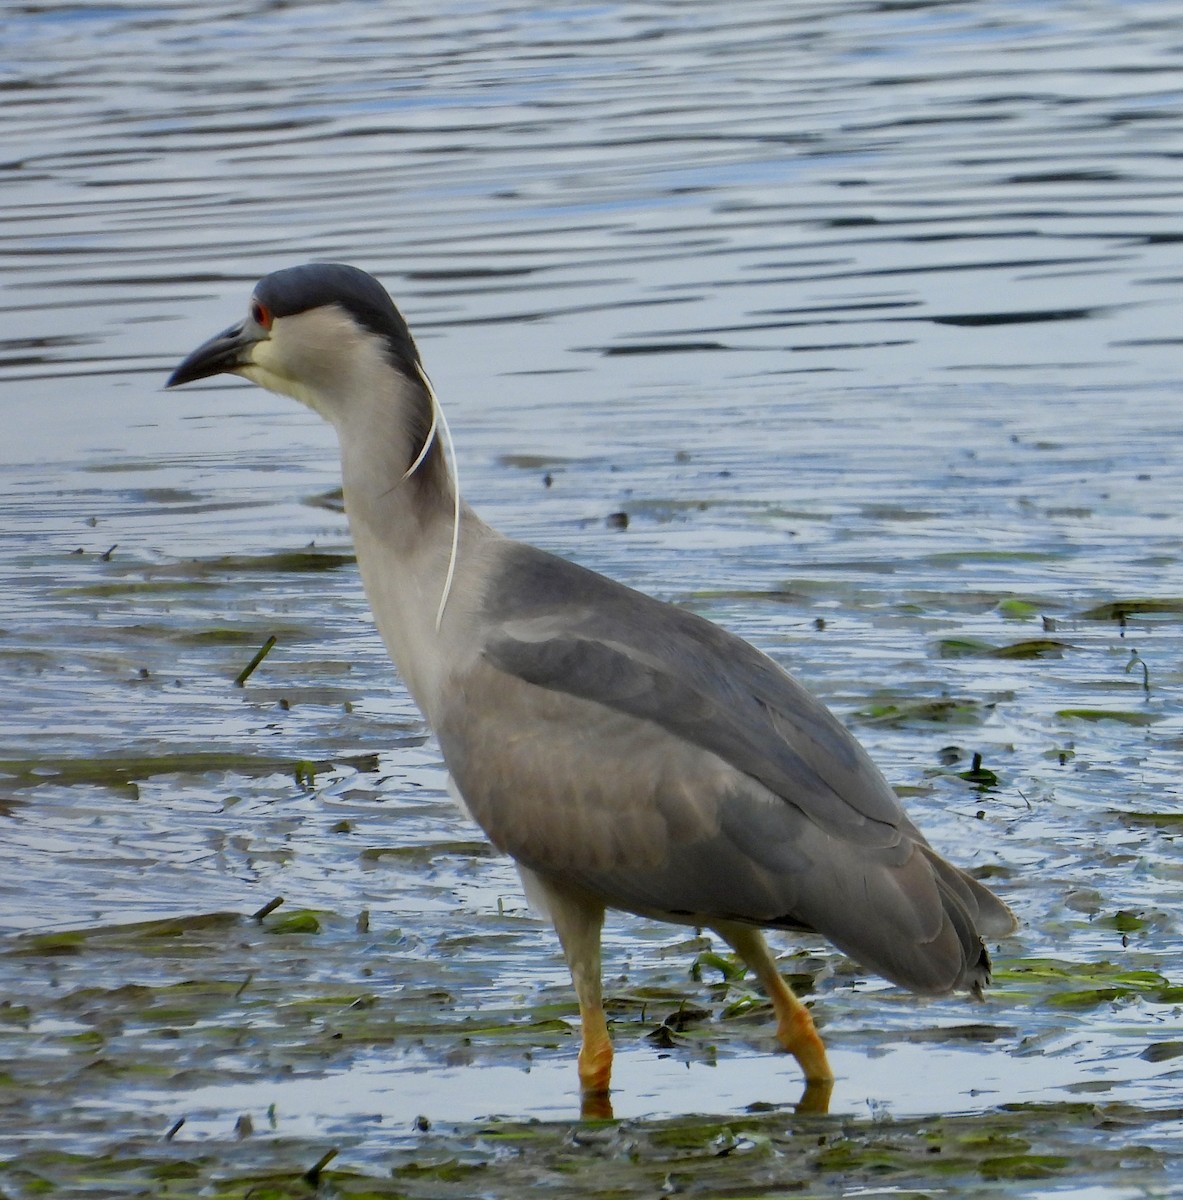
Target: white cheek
(264, 369)
(321, 359)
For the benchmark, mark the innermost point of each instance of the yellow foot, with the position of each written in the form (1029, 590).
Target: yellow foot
(595, 1106)
(595, 1060)
(795, 1029)
(816, 1097)
(797, 1033)
(595, 1073)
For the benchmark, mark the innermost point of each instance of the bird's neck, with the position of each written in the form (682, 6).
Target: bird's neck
(395, 473)
(402, 527)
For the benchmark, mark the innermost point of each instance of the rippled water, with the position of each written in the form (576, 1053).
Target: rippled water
(868, 317)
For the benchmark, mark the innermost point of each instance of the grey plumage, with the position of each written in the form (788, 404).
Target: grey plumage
(625, 752)
(716, 787)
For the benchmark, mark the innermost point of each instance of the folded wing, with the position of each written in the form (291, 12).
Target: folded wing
(648, 756)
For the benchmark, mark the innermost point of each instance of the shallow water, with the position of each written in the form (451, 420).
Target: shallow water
(868, 318)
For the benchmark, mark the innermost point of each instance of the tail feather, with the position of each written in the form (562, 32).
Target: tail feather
(975, 971)
(973, 911)
(926, 931)
(992, 917)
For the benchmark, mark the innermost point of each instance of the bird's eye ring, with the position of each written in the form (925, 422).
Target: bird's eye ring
(260, 314)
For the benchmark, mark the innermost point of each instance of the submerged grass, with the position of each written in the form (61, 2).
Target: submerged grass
(114, 770)
(937, 710)
(1122, 715)
(968, 647)
(218, 999)
(151, 1057)
(1119, 610)
(756, 1156)
(1062, 984)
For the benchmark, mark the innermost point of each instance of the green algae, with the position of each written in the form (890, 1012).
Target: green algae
(1024, 1166)
(207, 1025)
(1161, 820)
(69, 941)
(1119, 610)
(1015, 608)
(300, 921)
(938, 710)
(117, 769)
(757, 1156)
(1120, 715)
(422, 855)
(1070, 985)
(968, 647)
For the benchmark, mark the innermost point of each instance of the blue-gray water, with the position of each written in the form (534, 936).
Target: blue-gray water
(868, 315)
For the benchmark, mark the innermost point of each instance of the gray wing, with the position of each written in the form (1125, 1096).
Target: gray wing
(569, 630)
(638, 751)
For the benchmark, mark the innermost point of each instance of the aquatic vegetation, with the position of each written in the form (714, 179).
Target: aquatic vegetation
(935, 473)
(967, 647)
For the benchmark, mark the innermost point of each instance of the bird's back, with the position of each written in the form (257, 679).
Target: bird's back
(644, 754)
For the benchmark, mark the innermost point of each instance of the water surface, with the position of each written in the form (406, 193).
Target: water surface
(866, 315)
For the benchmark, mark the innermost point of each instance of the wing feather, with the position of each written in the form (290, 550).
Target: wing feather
(666, 767)
(569, 630)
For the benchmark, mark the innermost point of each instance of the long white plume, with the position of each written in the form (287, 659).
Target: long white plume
(440, 422)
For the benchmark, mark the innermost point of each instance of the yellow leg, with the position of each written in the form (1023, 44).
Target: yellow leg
(578, 921)
(794, 1025)
(595, 1051)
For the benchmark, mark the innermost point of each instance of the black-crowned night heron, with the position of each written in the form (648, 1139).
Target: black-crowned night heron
(625, 753)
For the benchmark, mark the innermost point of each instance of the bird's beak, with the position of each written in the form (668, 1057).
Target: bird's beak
(226, 353)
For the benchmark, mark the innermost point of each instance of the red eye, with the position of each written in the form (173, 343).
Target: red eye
(260, 314)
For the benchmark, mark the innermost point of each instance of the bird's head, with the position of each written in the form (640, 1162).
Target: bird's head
(324, 334)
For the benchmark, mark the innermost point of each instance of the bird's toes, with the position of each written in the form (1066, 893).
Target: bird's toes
(816, 1096)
